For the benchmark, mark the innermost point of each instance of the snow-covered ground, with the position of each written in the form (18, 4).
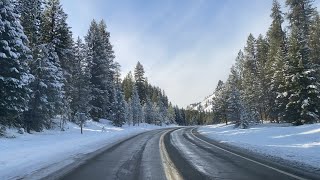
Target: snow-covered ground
(295, 143)
(53, 149)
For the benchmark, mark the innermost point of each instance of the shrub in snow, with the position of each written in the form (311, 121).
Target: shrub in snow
(21, 131)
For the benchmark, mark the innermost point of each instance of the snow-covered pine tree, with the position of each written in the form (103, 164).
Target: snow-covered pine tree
(171, 115)
(128, 112)
(109, 64)
(140, 81)
(219, 106)
(239, 67)
(262, 48)
(99, 72)
(249, 92)
(56, 31)
(314, 44)
(303, 92)
(80, 93)
(162, 110)
(179, 119)
(119, 107)
(117, 74)
(47, 88)
(136, 107)
(233, 101)
(30, 18)
(127, 85)
(301, 79)
(14, 70)
(277, 88)
(149, 111)
(275, 63)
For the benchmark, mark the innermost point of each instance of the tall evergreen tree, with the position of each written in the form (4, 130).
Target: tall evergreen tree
(276, 61)
(261, 88)
(119, 108)
(233, 101)
(301, 78)
(30, 18)
(47, 95)
(110, 65)
(149, 111)
(80, 92)
(14, 70)
(127, 85)
(136, 107)
(55, 30)
(100, 59)
(128, 112)
(249, 92)
(140, 81)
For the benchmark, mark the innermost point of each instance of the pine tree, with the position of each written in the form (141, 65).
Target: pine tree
(219, 105)
(117, 73)
(239, 67)
(275, 63)
(127, 85)
(80, 92)
(119, 109)
(14, 59)
(233, 101)
(140, 81)
(30, 18)
(179, 117)
(136, 107)
(47, 95)
(261, 88)
(100, 57)
(277, 88)
(249, 92)
(314, 44)
(171, 115)
(109, 64)
(128, 112)
(301, 78)
(149, 111)
(55, 30)
(303, 92)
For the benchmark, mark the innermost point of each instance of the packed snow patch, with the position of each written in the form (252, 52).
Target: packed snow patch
(28, 153)
(295, 143)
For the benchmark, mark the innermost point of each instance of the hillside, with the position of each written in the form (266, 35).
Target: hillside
(205, 105)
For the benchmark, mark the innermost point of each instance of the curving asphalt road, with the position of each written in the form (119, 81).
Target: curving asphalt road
(179, 153)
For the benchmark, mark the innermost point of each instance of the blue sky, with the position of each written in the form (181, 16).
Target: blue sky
(186, 46)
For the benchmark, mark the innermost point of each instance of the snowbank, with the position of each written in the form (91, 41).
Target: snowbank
(29, 153)
(295, 143)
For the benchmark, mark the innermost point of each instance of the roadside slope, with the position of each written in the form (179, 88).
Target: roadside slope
(299, 145)
(30, 153)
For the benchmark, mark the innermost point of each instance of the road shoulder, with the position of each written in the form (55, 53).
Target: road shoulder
(296, 168)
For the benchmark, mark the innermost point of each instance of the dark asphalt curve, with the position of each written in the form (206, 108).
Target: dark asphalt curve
(135, 158)
(197, 157)
(177, 153)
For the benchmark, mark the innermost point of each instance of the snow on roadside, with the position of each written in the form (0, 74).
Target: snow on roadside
(295, 143)
(29, 153)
